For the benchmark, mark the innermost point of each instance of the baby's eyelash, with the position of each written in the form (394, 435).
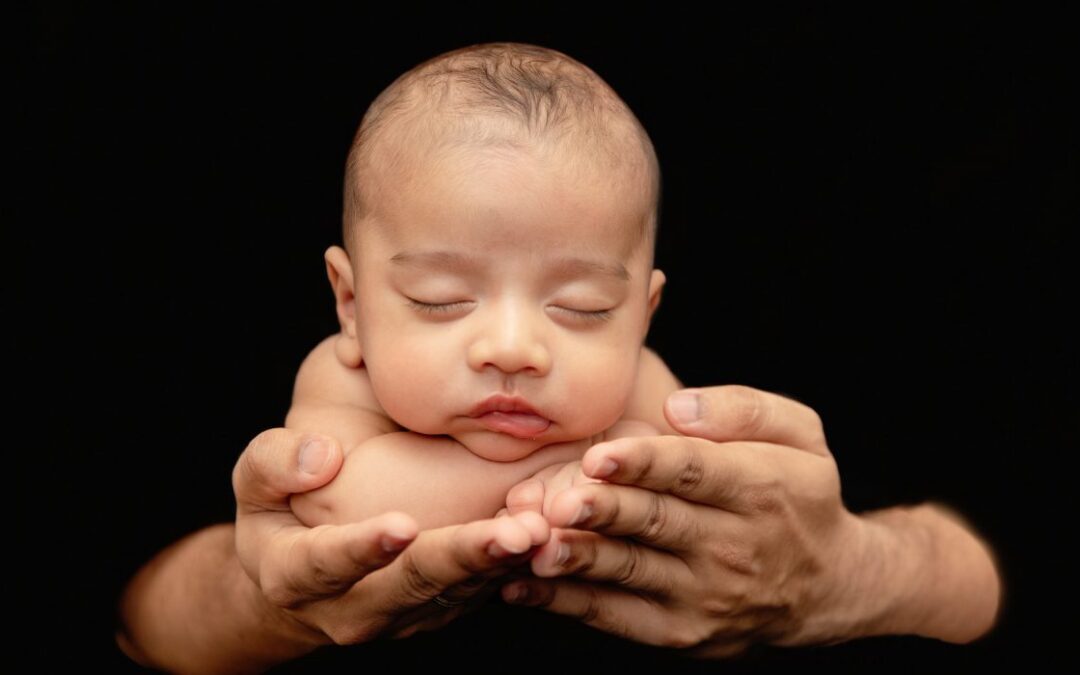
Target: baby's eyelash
(436, 308)
(597, 315)
(593, 315)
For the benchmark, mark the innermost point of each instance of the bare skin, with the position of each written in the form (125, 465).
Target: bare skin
(692, 575)
(435, 479)
(241, 598)
(739, 537)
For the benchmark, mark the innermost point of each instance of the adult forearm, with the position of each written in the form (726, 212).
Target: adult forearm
(193, 609)
(930, 574)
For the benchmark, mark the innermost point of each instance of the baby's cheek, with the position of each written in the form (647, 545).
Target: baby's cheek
(600, 391)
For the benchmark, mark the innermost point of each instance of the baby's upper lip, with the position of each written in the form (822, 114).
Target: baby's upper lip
(503, 403)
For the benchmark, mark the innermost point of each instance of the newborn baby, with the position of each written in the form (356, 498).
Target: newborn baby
(494, 291)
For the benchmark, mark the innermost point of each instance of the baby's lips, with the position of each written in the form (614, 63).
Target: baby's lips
(517, 424)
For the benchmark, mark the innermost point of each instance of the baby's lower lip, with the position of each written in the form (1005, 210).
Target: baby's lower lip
(517, 424)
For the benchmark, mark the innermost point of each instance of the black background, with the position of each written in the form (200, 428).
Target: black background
(871, 212)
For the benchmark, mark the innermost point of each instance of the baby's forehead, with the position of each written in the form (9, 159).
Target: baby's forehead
(542, 194)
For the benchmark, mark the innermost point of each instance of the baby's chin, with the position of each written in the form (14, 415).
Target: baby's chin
(496, 446)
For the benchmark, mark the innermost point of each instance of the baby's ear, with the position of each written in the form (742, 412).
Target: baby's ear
(656, 285)
(339, 272)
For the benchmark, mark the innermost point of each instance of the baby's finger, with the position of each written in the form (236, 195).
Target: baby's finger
(527, 496)
(327, 560)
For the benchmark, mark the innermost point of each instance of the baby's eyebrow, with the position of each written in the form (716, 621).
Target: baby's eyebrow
(454, 261)
(440, 260)
(573, 267)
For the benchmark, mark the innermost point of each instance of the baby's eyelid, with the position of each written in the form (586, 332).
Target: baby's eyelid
(437, 307)
(586, 314)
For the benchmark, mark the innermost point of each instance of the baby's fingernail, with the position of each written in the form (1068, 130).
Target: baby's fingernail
(583, 512)
(393, 544)
(685, 406)
(497, 550)
(313, 455)
(515, 593)
(562, 555)
(606, 468)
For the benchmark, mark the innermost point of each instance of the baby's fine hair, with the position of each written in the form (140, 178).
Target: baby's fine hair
(507, 96)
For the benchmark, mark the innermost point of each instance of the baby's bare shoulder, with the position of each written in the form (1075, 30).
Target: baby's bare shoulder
(336, 400)
(323, 377)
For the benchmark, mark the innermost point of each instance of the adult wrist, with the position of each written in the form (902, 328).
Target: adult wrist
(852, 598)
(927, 574)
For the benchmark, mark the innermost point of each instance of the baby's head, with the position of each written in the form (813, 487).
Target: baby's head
(497, 283)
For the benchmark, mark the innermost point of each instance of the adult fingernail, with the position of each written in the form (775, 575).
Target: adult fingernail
(562, 555)
(685, 406)
(313, 455)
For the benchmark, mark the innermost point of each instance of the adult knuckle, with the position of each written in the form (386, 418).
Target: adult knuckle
(320, 560)
(656, 517)
(278, 577)
(349, 633)
(766, 497)
(644, 463)
(717, 607)
(416, 584)
(626, 573)
(279, 593)
(590, 612)
(692, 471)
(679, 636)
(729, 555)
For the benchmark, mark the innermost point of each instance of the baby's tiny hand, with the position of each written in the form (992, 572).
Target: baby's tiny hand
(537, 492)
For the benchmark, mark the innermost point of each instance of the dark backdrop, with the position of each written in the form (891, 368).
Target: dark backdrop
(869, 212)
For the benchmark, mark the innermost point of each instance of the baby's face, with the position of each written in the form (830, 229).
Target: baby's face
(502, 301)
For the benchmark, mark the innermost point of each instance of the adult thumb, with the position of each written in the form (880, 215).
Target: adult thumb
(282, 462)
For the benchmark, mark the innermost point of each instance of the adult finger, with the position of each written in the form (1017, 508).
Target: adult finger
(650, 517)
(613, 560)
(327, 560)
(281, 462)
(446, 557)
(609, 609)
(740, 413)
(698, 470)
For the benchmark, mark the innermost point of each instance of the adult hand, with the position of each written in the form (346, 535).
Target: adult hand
(711, 544)
(352, 583)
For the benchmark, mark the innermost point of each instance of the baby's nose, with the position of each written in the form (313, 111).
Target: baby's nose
(512, 341)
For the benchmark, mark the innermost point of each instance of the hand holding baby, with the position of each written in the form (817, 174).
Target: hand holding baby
(352, 583)
(740, 537)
